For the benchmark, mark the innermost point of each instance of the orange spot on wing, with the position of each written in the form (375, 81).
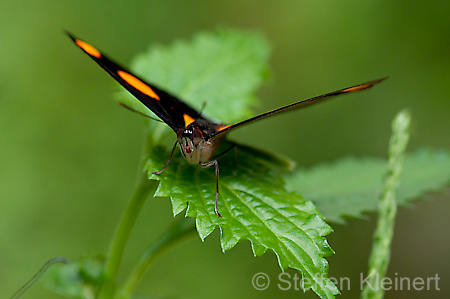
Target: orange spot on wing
(138, 84)
(187, 120)
(88, 48)
(356, 88)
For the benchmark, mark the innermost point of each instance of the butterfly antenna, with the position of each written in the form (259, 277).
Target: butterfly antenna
(139, 112)
(203, 108)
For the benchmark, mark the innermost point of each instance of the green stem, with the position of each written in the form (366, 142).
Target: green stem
(144, 188)
(179, 230)
(387, 209)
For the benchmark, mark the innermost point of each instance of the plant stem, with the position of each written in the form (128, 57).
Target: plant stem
(387, 209)
(179, 230)
(143, 189)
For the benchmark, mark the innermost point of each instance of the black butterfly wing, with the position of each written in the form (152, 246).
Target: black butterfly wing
(167, 107)
(363, 86)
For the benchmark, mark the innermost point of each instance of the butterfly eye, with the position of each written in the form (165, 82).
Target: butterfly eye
(197, 136)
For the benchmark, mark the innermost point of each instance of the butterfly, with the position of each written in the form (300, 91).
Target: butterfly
(198, 137)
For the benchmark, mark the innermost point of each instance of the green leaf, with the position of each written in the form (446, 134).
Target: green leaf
(224, 69)
(351, 186)
(255, 206)
(76, 279)
(424, 171)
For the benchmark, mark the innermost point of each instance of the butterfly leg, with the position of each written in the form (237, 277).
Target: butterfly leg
(216, 164)
(168, 161)
(226, 152)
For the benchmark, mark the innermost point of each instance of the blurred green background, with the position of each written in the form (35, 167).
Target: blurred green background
(69, 154)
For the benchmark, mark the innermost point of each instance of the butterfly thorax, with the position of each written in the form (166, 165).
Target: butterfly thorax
(197, 141)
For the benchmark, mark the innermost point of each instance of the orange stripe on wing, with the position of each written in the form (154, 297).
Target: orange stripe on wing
(187, 120)
(356, 88)
(222, 127)
(88, 48)
(138, 84)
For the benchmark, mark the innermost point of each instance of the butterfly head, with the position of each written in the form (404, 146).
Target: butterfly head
(195, 145)
(189, 140)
